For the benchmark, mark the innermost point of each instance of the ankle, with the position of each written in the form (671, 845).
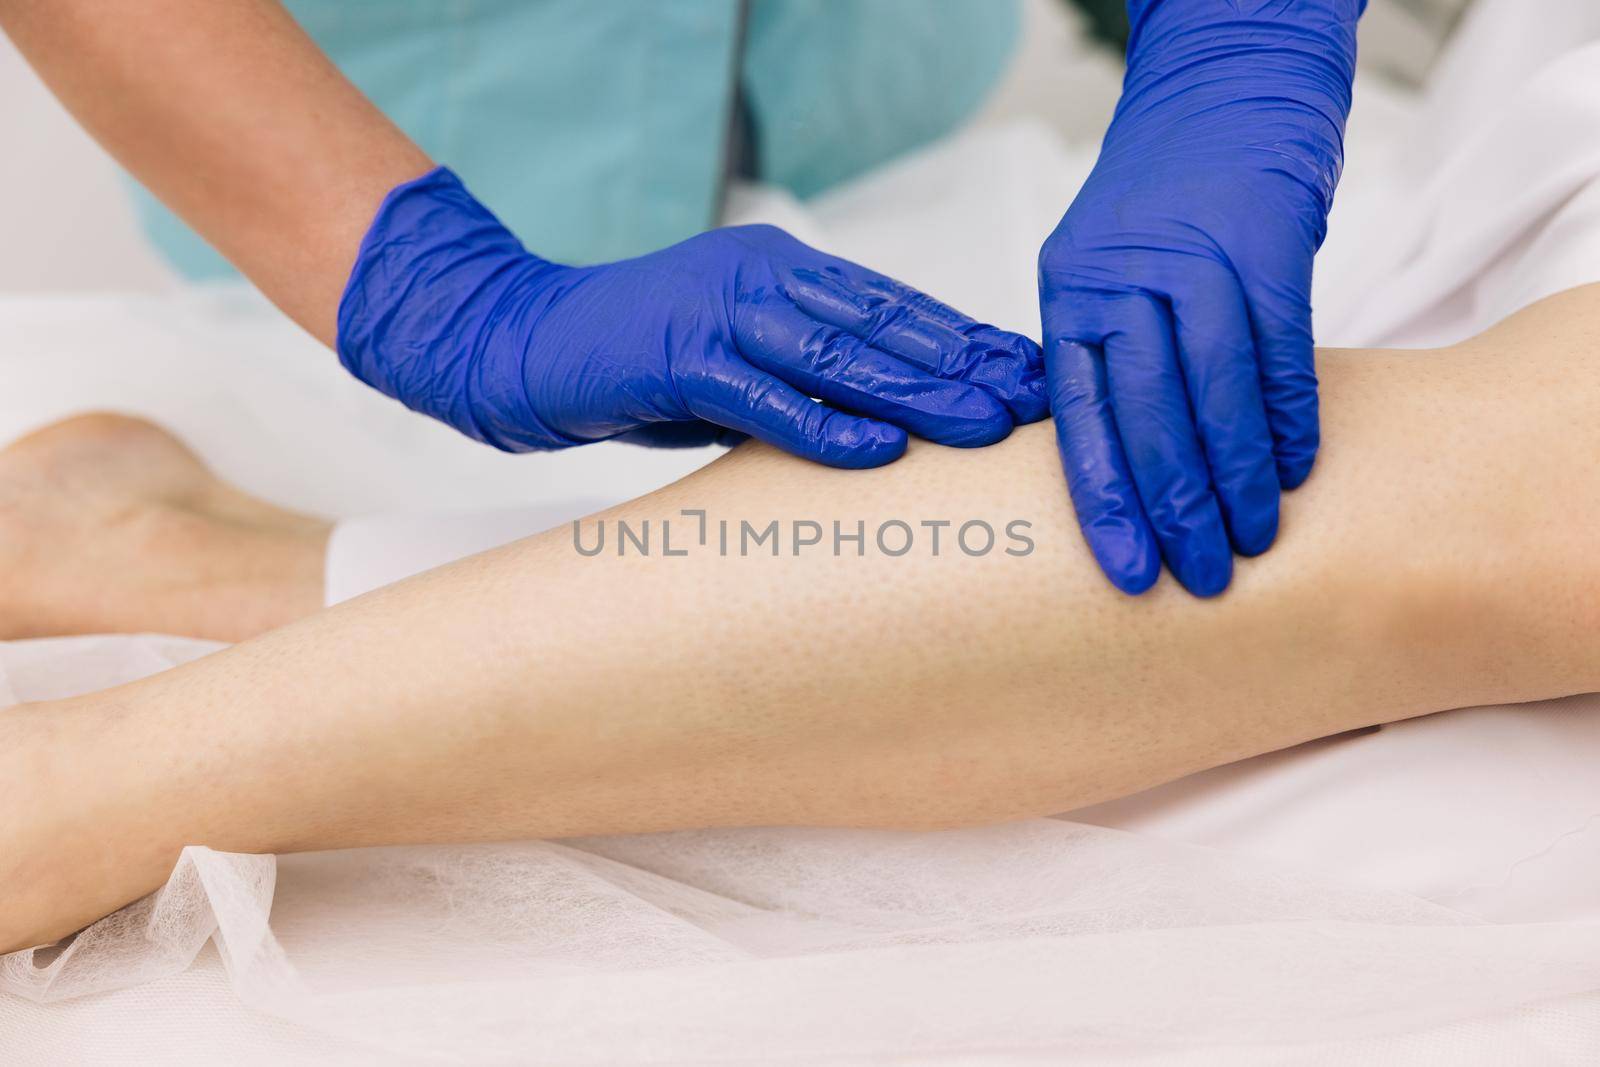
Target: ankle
(227, 580)
(48, 881)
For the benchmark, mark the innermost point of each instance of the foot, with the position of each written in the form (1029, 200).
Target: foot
(109, 524)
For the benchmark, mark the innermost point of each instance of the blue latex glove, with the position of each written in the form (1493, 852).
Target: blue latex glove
(1176, 290)
(733, 330)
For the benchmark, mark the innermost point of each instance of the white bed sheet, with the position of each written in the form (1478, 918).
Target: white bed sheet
(1357, 899)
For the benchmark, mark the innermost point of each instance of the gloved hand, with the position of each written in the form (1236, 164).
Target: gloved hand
(1176, 290)
(736, 329)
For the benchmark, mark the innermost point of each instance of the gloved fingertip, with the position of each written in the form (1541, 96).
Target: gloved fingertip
(970, 419)
(1254, 535)
(1295, 467)
(1031, 403)
(1019, 383)
(1205, 573)
(1129, 560)
(1250, 513)
(858, 444)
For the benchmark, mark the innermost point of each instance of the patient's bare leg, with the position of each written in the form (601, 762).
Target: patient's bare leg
(110, 525)
(1442, 555)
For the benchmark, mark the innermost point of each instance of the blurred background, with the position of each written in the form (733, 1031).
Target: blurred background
(67, 225)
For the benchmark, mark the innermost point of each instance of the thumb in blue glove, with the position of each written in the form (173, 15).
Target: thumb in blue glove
(1175, 293)
(732, 332)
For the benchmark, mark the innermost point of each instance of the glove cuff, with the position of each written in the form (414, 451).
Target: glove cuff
(1260, 13)
(1284, 71)
(434, 278)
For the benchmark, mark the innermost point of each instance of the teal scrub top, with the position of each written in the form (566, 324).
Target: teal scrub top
(600, 129)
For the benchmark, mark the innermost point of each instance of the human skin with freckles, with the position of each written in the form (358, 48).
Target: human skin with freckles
(1442, 556)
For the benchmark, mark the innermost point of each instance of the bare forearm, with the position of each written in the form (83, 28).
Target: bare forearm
(232, 116)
